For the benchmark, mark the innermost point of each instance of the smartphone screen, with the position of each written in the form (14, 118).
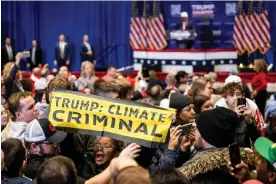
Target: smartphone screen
(241, 101)
(186, 129)
(234, 153)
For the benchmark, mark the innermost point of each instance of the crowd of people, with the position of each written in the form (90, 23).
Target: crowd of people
(33, 151)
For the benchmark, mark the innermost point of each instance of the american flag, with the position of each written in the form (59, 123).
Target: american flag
(238, 36)
(147, 32)
(252, 31)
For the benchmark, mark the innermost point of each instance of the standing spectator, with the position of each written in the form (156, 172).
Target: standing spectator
(21, 105)
(181, 78)
(87, 78)
(15, 161)
(35, 59)
(7, 53)
(184, 108)
(87, 52)
(111, 74)
(62, 52)
(253, 107)
(259, 84)
(12, 77)
(215, 131)
(200, 87)
(42, 141)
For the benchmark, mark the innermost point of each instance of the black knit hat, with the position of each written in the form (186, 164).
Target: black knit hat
(217, 126)
(179, 101)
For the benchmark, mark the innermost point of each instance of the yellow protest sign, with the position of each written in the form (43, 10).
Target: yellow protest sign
(123, 120)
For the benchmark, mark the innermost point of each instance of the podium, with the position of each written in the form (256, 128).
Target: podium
(184, 38)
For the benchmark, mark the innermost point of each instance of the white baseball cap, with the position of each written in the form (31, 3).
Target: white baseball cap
(184, 14)
(232, 78)
(42, 130)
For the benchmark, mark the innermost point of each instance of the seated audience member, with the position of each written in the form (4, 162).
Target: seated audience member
(41, 83)
(253, 107)
(42, 142)
(184, 109)
(170, 81)
(215, 131)
(87, 78)
(12, 77)
(110, 75)
(266, 169)
(4, 117)
(247, 130)
(21, 105)
(168, 175)
(15, 160)
(106, 89)
(200, 87)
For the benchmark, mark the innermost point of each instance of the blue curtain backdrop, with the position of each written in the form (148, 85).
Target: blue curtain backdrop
(106, 23)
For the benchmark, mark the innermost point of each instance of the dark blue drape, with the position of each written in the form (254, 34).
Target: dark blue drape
(106, 23)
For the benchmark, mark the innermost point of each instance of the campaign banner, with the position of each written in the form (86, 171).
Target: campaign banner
(129, 121)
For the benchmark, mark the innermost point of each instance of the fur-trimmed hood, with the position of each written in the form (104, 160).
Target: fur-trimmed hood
(211, 159)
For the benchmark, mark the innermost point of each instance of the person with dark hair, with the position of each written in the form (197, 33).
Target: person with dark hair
(168, 175)
(21, 105)
(181, 78)
(15, 161)
(106, 89)
(87, 51)
(125, 89)
(111, 74)
(266, 167)
(202, 103)
(57, 170)
(215, 131)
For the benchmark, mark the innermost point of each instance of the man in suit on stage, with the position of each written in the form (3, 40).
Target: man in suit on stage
(186, 25)
(35, 59)
(62, 52)
(7, 53)
(87, 51)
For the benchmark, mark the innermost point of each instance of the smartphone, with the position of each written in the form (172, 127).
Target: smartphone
(235, 155)
(26, 54)
(241, 101)
(186, 128)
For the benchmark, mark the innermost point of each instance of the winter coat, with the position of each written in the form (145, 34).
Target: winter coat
(210, 166)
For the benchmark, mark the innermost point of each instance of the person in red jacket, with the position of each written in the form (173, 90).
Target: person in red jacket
(259, 84)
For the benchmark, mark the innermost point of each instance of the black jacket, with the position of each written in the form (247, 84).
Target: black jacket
(5, 57)
(11, 84)
(189, 26)
(38, 57)
(85, 56)
(16, 180)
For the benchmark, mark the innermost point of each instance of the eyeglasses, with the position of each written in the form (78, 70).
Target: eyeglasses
(105, 147)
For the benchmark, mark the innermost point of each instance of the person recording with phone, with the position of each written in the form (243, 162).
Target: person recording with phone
(247, 130)
(179, 147)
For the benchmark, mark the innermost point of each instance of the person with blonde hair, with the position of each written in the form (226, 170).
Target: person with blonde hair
(259, 84)
(12, 76)
(87, 78)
